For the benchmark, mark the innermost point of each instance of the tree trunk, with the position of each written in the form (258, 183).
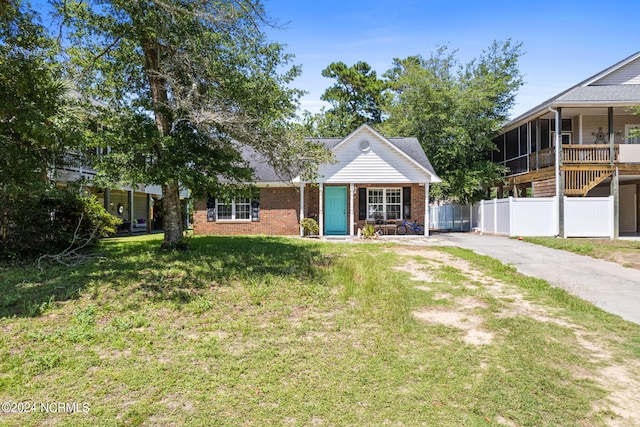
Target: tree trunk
(172, 215)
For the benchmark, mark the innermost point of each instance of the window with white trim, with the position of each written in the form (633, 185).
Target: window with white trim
(236, 210)
(384, 203)
(631, 134)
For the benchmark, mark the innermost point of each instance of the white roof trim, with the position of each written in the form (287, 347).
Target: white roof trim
(609, 70)
(434, 178)
(554, 102)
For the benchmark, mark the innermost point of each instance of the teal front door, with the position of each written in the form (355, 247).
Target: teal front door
(335, 210)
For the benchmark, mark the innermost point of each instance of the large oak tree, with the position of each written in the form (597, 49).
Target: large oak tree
(186, 86)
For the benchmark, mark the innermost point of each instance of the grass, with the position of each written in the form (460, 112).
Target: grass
(271, 331)
(623, 252)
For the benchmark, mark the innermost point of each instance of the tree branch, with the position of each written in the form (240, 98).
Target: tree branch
(71, 252)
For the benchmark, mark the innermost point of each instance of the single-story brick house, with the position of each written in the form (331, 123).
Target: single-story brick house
(373, 179)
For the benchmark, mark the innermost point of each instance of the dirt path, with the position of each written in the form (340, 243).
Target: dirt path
(620, 378)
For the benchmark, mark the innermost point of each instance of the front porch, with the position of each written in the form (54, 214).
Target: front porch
(138, 210)
(343, 209)
(583, 167)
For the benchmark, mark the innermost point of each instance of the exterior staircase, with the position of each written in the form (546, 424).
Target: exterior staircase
(578, 180)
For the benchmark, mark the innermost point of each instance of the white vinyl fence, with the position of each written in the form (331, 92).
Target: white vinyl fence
(583, 216)
(589, 217)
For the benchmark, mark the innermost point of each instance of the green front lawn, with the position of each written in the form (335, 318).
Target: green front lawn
(259, 331)
(623, 252)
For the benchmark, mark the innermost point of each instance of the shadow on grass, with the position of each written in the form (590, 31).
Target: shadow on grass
(138, 266)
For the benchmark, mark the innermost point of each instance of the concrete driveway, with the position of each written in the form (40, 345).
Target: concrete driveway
(611, 287)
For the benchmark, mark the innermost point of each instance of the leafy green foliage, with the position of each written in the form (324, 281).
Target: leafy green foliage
(368, 231)
(357, 97)
(31, 96)
(188, 88)
(37, 126)
(52, 221)
(357, 90)
(455, 111)
(310, 226)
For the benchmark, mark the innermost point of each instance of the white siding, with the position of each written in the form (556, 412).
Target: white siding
(140, 206)
(592, 123)
(381, 163)
(629, 75)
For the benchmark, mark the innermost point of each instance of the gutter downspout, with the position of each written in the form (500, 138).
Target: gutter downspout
(559, 184)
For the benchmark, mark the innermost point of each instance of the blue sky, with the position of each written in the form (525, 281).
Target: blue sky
(564, 42)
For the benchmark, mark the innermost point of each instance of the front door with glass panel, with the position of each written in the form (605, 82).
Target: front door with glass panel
(335, 210)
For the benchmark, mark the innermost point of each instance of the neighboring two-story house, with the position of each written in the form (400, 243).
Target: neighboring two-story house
(579, 143)
(138, 207)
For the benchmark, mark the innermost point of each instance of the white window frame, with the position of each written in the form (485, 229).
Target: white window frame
(627, 131)
(235, 205)
(385, 204)
(565, 134)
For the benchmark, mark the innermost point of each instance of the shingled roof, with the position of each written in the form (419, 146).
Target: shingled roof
(594, 90)
(265, 173)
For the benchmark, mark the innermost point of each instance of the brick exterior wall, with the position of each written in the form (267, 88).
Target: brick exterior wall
(279, 215)
(280, 207)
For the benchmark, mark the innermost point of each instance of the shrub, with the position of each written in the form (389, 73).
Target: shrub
(310, 227)
(53, 221)
(369, 231)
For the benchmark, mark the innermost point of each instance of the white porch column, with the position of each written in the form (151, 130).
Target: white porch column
(149, 204)
(352, 222)
(426, 209)
(321, 210)
(130, 194)
(301, 207)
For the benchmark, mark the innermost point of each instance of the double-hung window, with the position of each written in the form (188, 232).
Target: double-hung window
(384, 203)
(236, 210)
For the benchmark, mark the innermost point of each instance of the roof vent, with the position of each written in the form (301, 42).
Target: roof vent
(364, 145)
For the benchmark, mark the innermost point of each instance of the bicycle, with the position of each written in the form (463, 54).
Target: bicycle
(409, 227)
